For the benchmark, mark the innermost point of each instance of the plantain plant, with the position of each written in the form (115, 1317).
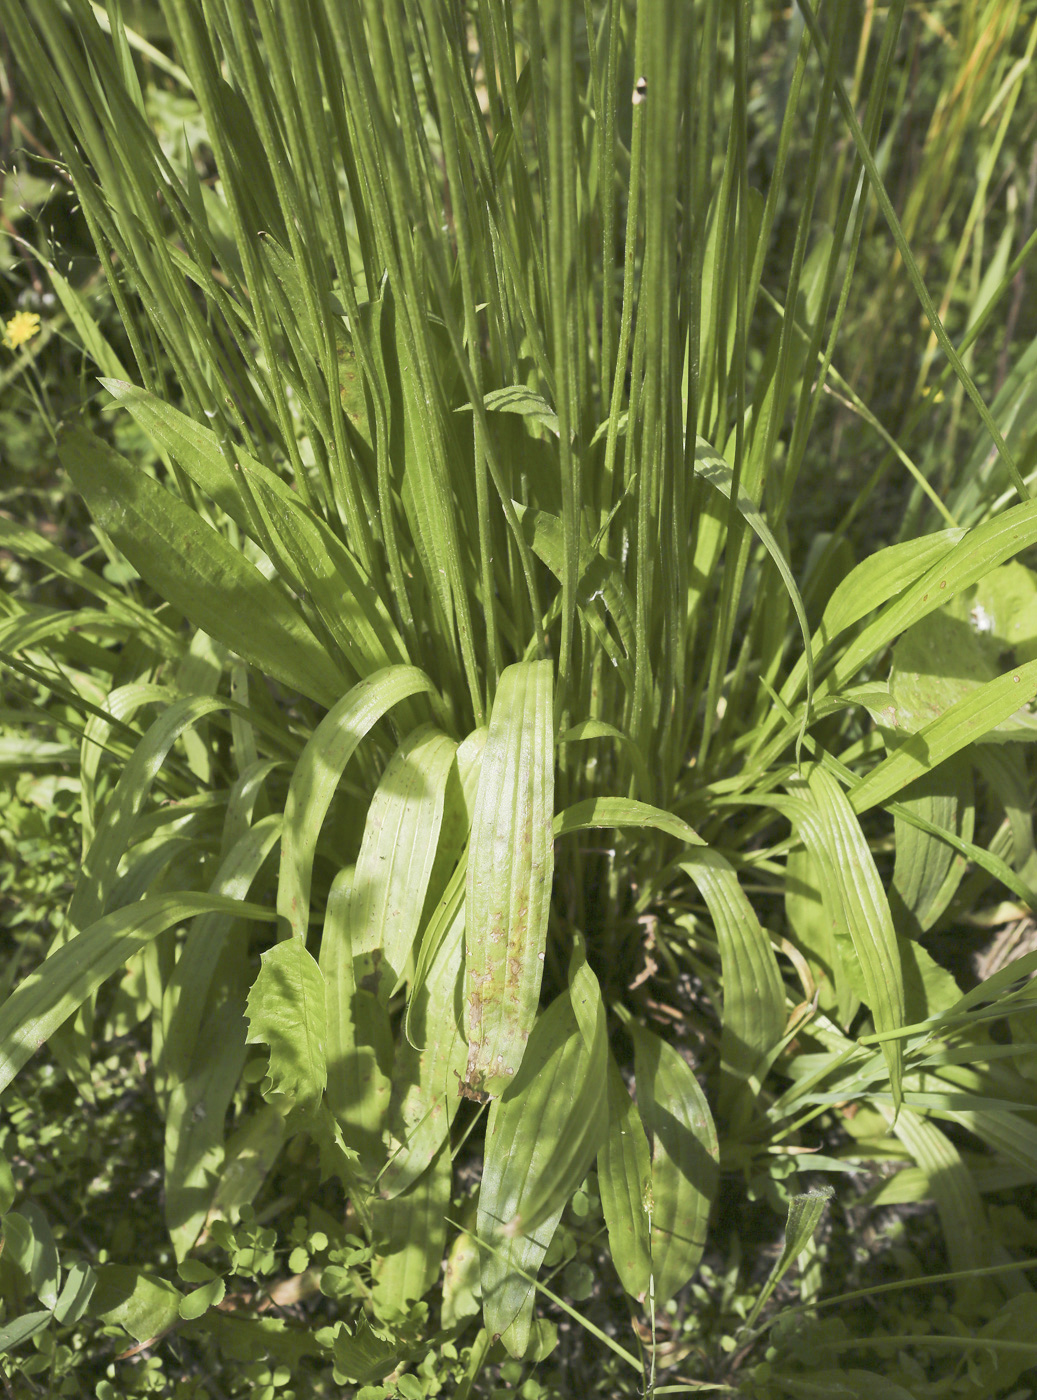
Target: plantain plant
(467, 708)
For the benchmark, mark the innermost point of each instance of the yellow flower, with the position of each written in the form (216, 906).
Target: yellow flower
(22, 326)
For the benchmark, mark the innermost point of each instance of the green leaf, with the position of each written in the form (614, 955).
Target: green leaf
(387, 893)
(977, 553)
(624, 1175)
(308, 552)
(600, 584)
(144, 1305)
(621, 812)
(948, 655)
(203, 1052)
(928, 870)
(804, 1216)
(598, 729)
(711, 467)
(843, 1384)
(50, 994)
(251, 1152)
(753, 1018)
(963, 1217)
(44, 1270)
(286, 1011)
(77, 311)
(121, 816)
(461, 1272)
(20, 1329)
(685, 1154)
(813, 933)
(510, 865)
(577, 1115)
(194, 1305)
(365, 1357)
(528, 1125)
(360, 1041)
(424, 1089)
(991, 1369)
(516, 398)
(855, 899)
(194, 568)
(409, 1233)
(29, 544)
(317, 775)
(970, 719)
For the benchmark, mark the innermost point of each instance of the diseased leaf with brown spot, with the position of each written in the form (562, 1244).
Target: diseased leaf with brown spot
(510, 866)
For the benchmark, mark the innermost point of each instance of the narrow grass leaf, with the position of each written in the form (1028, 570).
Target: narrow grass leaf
(711, 467)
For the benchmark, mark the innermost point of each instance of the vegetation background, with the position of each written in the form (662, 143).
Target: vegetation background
(566, 417)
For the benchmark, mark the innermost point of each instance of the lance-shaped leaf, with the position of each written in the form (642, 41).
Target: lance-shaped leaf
(824, 819)
(286, 1012)
(963, 723)
(510, 865)
(203, 1048)
(584, 1106)
(685, 1155)
(804, 1216)
(424, 1092)
(928, 870)
(963, 1217)
(310, 554)
(386, 896)
(624, 1177)
(359, 1039)
(317, 776)
(410, 1236)
(754, 994)
(51, 993)
(532, 1124)
(117, 826)
(199, 572)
